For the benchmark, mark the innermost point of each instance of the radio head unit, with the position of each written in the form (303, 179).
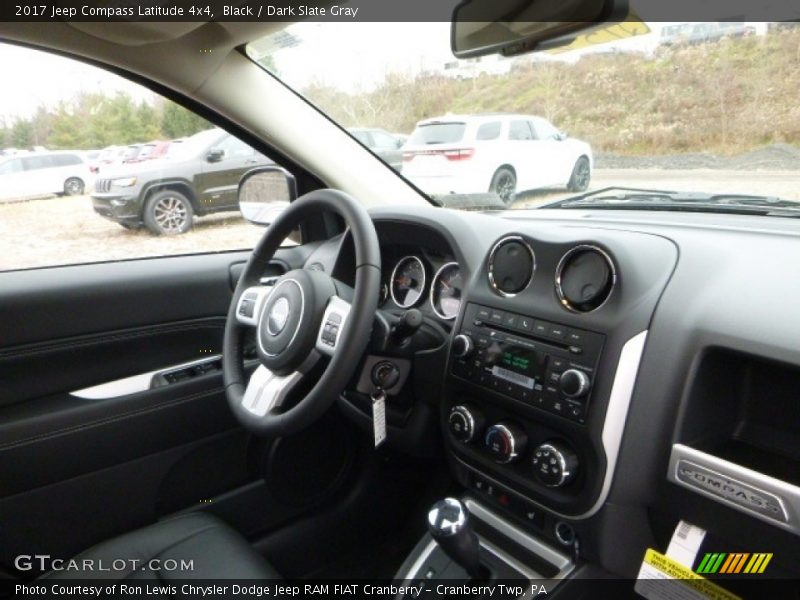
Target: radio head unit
(543, 364)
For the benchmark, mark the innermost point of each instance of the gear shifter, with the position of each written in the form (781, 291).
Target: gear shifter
(448, 523)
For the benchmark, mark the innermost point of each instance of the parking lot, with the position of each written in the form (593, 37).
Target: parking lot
(66, 230)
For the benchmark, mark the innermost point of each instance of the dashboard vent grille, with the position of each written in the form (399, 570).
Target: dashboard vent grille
(511, 266)
(585, 278)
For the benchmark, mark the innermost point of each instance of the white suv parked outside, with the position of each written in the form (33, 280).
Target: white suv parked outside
(44, 173)
(500, 153)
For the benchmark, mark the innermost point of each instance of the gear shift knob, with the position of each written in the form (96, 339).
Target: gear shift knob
(448, 523)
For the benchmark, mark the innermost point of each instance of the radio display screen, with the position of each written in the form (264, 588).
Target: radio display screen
(522, 366)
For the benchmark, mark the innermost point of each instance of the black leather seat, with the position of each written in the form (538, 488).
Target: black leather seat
(215, 550)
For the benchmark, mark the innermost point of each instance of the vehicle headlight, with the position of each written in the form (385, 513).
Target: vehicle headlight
(124, 182)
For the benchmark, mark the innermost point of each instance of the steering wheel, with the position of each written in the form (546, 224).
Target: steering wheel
(304, 316)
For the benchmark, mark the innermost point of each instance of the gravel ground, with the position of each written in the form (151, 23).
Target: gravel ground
(57, 231)
(776, 157)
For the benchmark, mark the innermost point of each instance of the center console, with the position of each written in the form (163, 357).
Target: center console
(535, 365)
(525, 385)
(542, 364)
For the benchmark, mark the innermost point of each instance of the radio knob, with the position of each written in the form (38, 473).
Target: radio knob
(554, 464)
(462, 345)
(574, 383)
(465, 423)
(505, 441)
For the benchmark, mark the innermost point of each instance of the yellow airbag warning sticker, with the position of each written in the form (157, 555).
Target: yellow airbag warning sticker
(662, 578)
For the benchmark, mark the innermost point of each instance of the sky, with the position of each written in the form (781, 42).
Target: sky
(32, 78)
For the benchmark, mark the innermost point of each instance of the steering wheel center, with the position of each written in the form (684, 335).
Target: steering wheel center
(278, 315)
(291, 316)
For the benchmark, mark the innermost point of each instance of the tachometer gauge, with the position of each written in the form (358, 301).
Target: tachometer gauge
(408, 282)
(446, 291)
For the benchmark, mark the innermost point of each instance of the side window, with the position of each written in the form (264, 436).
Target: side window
(11, 166)
(234, 148)
(488, 131)
(34, 163)
(65, 160)
(112, 171)
(520, 130)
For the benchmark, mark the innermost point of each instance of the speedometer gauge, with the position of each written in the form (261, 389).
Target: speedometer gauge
(408, 282)
(446, 291)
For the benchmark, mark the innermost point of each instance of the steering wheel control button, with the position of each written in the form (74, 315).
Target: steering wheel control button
(250, 303)
(554, 465)
(505, 442)
(574, 383)
(465, 423)
(332, 322)
(247, 307)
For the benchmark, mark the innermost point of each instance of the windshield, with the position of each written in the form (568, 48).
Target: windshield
(676, 107)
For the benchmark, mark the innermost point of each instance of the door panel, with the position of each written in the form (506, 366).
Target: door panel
(112, 462)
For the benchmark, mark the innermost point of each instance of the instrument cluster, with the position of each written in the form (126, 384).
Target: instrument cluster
(408, 285)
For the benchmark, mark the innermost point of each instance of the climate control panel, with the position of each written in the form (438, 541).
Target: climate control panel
(552, 462)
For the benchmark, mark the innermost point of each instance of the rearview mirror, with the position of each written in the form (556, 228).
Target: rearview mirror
(265, 192)
(511, 27)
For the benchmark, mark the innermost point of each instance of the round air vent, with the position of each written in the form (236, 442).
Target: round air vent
(585, 278)
(511, 266)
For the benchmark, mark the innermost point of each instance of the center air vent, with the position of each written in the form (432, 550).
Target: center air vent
(511, 266)
(585, 278)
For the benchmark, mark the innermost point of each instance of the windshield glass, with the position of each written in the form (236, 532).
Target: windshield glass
(678, 107)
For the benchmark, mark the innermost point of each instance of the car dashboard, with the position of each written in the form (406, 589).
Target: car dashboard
(599, 376)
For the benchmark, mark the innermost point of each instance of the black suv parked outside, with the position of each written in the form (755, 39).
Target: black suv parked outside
(199, 176)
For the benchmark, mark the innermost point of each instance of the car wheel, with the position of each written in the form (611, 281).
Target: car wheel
(168, 213)
(74, 186)
(581, 175)
(504, 184)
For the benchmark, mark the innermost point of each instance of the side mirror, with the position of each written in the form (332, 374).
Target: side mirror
(265, 192)
(215, 155)
(561, 136)
(400, 143)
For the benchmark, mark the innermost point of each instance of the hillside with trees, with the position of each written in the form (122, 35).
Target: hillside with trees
(724, 97)
(92, 120)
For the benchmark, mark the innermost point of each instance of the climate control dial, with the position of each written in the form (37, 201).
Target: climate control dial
(554, 464)
(505, 441)
(465, 423)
